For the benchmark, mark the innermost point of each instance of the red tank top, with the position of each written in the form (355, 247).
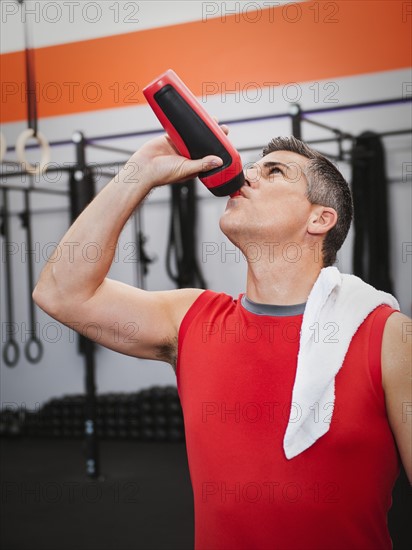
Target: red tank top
(235, 376)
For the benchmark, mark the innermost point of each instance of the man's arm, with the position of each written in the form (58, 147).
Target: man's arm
(397, 383)
(75, 290)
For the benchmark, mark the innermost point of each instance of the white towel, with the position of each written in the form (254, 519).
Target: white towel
(336, 307)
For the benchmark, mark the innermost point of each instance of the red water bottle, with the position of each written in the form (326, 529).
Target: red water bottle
(194, 132)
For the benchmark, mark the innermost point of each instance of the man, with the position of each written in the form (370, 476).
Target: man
(238, 362)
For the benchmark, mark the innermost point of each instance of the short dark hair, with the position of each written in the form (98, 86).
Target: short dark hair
(326, 186)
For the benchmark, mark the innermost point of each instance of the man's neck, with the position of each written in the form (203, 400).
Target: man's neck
(282, 282)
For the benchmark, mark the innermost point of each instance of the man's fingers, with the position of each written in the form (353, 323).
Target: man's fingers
(193, 167)
(211, 161)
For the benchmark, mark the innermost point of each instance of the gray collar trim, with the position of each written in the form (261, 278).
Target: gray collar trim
(272, 310)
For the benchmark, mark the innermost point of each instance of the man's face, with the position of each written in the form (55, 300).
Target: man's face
(271, 206)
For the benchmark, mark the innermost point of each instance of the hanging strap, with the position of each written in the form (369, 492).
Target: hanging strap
(181, 250)
(370, 195)
(32, 131)
(30, 77)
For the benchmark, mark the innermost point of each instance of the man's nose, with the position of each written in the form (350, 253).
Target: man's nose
(251, 175)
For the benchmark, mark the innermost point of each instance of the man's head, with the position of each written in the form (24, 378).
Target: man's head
(325, 186)
(295, 195)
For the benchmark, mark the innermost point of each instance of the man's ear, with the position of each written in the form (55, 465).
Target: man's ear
(321, 220)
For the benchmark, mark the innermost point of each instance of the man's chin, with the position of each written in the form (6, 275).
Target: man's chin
(232, 231)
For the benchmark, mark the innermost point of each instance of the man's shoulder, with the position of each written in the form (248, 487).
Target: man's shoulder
(396, 346)
(180, 301)
(397, 332)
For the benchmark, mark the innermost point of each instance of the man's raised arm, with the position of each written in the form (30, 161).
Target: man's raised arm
(77, 292)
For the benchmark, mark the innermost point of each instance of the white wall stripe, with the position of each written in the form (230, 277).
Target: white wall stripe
(65, 21)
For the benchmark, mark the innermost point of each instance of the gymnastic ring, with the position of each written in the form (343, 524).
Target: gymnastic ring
(11, 353)
(35, 343)
(3, 146)
(21, 155)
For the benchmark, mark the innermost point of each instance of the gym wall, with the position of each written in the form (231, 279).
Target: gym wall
(244, 60)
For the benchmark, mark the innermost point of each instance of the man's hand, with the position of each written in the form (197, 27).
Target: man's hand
(160, 163)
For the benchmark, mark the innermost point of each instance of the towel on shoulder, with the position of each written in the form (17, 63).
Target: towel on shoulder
(346, 301)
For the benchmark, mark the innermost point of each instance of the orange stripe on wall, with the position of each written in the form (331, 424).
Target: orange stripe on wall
(327, 40)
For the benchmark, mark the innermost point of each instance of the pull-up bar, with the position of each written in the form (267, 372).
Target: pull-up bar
(336, 108)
